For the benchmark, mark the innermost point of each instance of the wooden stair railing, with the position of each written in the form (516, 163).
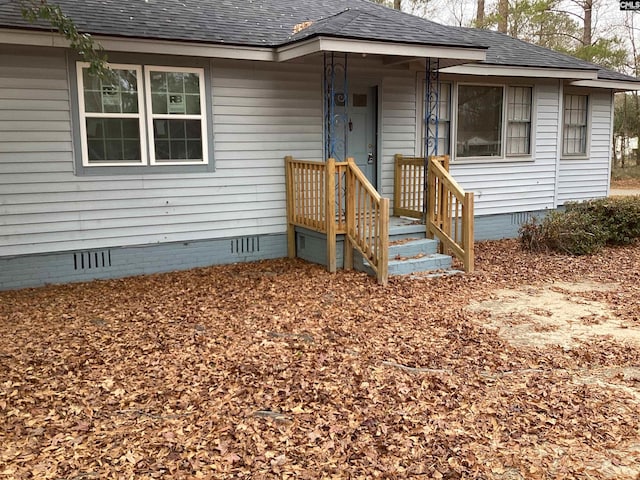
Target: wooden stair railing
(367, 223)
(336, 198)
(449, 212)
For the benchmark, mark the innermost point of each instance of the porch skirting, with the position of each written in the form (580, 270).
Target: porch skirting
(118, 262)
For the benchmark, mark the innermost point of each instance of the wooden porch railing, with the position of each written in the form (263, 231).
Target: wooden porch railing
(336, 198)
(408, 194)
(449, 212)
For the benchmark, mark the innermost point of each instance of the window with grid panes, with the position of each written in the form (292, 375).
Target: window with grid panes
(143, 115)
(518, 137)
(574, 138)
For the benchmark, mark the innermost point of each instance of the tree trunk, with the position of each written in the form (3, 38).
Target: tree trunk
(503, 15)
(397, 4)
(480, 14)
(587, 31)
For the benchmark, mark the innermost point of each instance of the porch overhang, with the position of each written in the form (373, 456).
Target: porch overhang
(618, 85)
(404, 51)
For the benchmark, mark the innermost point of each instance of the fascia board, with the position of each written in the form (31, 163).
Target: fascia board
(533, 72)
(610, 84)
(324, 44)
(167, 47)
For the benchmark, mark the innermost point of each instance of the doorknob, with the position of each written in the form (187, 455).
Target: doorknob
(370, 158)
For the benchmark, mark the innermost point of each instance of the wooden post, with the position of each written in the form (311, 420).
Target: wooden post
(291, 229)
(350, 216)
(383, 266)
(397, 183)
(468, 232)
(431, 201)
(330, 213)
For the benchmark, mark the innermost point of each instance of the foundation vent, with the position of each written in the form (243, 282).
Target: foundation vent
(245, 245)
(520, 217)
(92, 260)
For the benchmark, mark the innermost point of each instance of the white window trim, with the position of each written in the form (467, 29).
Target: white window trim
(151, 116)
(503, 157)
(144, 115)
(83, 117)
(578, 156)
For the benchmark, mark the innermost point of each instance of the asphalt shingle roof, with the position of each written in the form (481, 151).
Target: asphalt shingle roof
(506, 50)
(272, 23)
(239, 22)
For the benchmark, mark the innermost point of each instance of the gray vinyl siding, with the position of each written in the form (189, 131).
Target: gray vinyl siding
(587, 178)
(519, 185)
(262, 112)
(398, 124)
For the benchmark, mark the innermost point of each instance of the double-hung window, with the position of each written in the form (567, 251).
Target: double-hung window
(518, 138)
(142, 115)
(574, 138)
(493, 121)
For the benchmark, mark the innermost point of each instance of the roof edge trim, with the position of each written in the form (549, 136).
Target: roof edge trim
(610, 84)
(516, 71)
(142, 45)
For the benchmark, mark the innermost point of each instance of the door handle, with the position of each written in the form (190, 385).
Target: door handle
(370, 158)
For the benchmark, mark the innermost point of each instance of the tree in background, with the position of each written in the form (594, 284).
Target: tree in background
(563, 25)
(83, 43)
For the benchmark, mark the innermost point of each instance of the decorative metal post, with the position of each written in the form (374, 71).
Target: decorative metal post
(336, 105)
(431, 119)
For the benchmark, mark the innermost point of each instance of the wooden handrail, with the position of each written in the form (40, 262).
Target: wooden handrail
(367, 223)
(334, 198)
(449, 212)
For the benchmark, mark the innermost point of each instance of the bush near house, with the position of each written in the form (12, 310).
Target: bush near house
(584, 228)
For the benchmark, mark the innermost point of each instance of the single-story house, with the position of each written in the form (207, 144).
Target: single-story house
(178, 160)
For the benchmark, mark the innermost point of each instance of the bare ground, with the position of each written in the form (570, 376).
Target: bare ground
(528, 368)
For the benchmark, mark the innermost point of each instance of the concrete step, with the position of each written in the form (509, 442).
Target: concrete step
(412, 248)
(414, 265)
(401, 232)
(426, 263)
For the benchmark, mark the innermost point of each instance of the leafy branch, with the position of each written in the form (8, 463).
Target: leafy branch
(83, 43)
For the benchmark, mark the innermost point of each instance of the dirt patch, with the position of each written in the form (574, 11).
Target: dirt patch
(558, 314)
(554, 314)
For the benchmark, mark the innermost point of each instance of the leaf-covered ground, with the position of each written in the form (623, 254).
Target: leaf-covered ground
(281, 370)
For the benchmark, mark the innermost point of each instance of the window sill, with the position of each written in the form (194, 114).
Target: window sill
(104, 171)
(574, 157)
(479, 160)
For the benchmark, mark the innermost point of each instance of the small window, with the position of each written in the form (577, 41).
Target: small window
(443, 119)
(574, 140)
(519, 121)
(142, 116)
(479, 132)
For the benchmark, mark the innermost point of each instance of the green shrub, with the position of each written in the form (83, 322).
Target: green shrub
(584, 228)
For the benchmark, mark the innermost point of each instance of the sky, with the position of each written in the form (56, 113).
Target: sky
(462, 12)
(608, 20)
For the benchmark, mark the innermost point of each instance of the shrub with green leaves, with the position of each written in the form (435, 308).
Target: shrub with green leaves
(584, 228)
